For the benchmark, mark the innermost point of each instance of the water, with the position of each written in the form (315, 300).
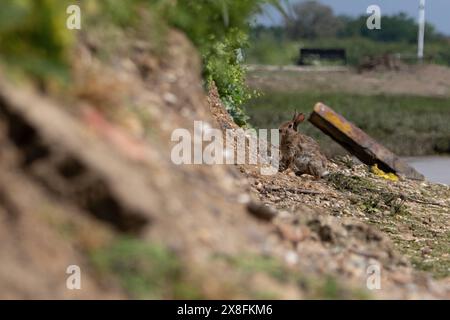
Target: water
(435, 169)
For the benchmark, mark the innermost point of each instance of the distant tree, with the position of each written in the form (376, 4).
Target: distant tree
(275, 32)
(395, 28)
(311, 19)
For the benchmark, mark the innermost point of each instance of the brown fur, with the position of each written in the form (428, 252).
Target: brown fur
(299, 152)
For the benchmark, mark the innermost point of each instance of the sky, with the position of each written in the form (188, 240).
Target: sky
(437, 11)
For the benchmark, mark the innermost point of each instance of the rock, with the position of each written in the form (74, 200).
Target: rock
(261, 211)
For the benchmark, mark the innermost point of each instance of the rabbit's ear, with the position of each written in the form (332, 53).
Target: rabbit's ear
(295, 116)
(299, 119)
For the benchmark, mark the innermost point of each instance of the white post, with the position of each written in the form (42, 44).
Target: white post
(421, 30)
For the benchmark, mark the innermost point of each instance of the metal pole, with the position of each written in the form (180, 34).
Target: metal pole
(421, 36)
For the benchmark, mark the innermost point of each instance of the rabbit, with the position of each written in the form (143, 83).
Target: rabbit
(299, 152)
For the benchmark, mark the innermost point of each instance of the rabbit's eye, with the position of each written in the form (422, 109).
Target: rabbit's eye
(290, 126)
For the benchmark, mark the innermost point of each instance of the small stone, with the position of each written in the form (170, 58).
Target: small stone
(170, 98)
(291, 258)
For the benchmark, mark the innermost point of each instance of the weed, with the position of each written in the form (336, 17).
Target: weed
(353, 184)
(145, 271)
(326, 287)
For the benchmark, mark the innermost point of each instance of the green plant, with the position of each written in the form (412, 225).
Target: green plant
(144, 270)
(34, 39)
(223, 68)
(395, 28)
(326, 287)
(219, 30)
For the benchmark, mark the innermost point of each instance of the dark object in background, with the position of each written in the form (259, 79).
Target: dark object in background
(308, 56)
(385, 61)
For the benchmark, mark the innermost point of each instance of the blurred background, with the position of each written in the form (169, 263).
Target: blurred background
(380, 84)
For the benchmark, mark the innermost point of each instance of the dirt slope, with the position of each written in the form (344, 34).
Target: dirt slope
(114, 164)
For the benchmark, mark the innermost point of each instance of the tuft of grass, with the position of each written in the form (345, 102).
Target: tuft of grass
(327, 287)
(354, 184)
(144, 270)
(253, 263)
(437, 260)
(366, 195)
